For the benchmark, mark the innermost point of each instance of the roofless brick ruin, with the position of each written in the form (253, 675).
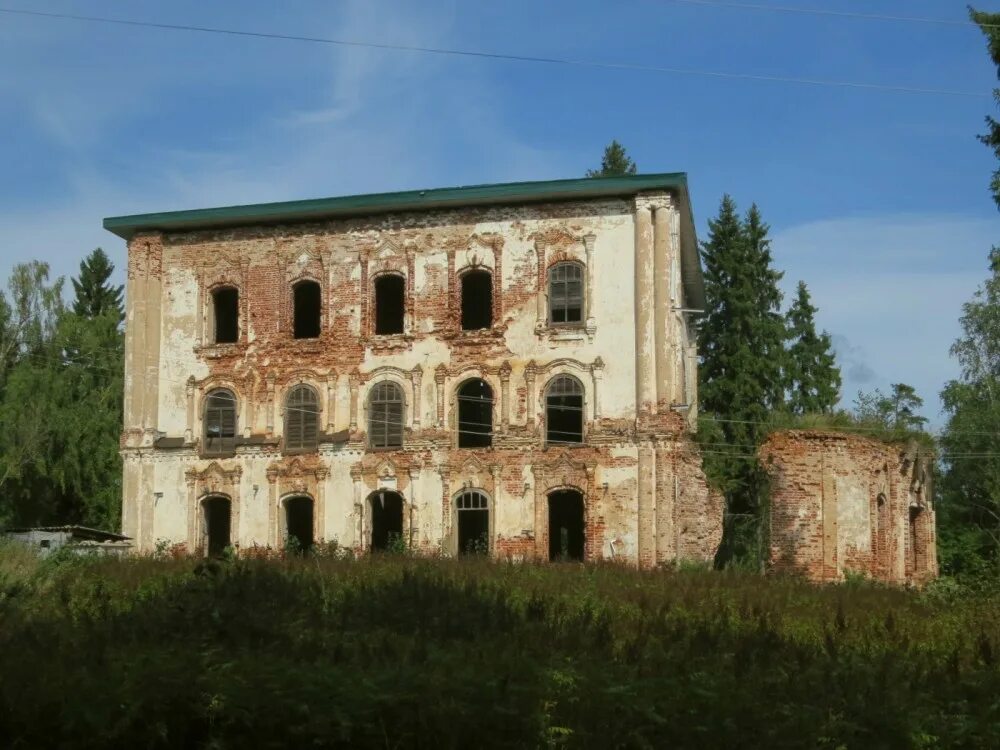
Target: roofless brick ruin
(503, 369)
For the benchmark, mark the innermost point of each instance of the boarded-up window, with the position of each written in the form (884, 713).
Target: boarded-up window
(565, 293)
(226, 314)
(301, 419)
(389, 304)
(385, 416)
(564, 410)
(308, 304)
(475, 414)
(220, 422)
(477, 300)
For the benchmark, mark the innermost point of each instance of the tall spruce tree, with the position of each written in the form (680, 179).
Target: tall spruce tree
(989, 24)
(94, 295)
(616, 162)
(741, 338)
(812, 375)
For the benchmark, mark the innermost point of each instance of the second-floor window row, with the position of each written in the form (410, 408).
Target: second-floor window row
(565, 293)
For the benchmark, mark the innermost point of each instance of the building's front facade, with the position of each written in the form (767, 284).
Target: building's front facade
(502, 368)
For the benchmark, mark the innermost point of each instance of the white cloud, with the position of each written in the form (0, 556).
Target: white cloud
(889, 290)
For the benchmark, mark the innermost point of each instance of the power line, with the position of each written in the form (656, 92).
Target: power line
(502, 55)
(833, 13)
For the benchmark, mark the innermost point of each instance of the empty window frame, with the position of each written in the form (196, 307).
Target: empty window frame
(477, 300)
(566, 294)
(226, 315)
(299, 524)
(390, 304)
(301, 419)
(385, 416)
(567, 533)
(217, 521)
(307, 303)
(475, 414)
(220, 422)
(473, 523)
(564, 410)
(386, 521)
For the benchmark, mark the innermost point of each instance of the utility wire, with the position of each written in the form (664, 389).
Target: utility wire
(503, 56)
(833, 13)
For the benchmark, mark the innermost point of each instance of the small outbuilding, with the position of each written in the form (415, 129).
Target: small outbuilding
(80, 539)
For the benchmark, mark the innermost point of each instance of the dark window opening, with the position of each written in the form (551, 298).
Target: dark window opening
(473, 524)
(301, 419)
(308, 304)
(220, 422)
(299, 523)
(477, 300)
(385, 416)
(389, 304)
(564, 411)
(226, 311)
(387, 521)
(566, 535)
(475, 414)
(912, 557)
(218, 521)
(565, 294)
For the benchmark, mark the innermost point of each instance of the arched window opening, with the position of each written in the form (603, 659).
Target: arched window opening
(566, 530)
(299, 524)
(218, 525)
(564, 411)
(226, 315)
(385, 416)
(565, 294)
(475, 414)
(308, 306)
(387, 521)
(473, 523)
(390, 304)
(477, 300)
(301, 419)
(220, 422)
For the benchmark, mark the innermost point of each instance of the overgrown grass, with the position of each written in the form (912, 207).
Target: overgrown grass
(845, 421)
(397, 651)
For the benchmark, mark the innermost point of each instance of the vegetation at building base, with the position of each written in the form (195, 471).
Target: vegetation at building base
(395, 651)
(61, 397)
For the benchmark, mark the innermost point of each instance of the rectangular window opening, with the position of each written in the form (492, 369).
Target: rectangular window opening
(226, 311)
(389, 305)
(477, 300)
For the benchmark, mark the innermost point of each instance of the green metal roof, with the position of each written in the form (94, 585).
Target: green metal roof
(510, 193)
(409, 200)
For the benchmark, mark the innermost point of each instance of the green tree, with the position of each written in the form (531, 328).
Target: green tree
(812, 375)
(989, 24)
(94, 295)
(897, 412)
(970, 497)
(616, 162)
(742, 342)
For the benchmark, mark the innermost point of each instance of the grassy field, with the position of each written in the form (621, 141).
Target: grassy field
(401, 652)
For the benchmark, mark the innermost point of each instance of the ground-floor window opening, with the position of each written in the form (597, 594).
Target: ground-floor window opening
(218, 525)
(566, 534)
(299, 523)
(387, 521)
(473, 523)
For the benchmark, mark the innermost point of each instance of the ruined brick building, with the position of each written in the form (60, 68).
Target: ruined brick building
(500, 368)
(845, 504)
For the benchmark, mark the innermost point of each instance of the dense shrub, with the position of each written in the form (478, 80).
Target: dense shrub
(403, 652)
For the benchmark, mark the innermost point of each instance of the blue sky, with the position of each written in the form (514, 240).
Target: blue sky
(878, 200)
